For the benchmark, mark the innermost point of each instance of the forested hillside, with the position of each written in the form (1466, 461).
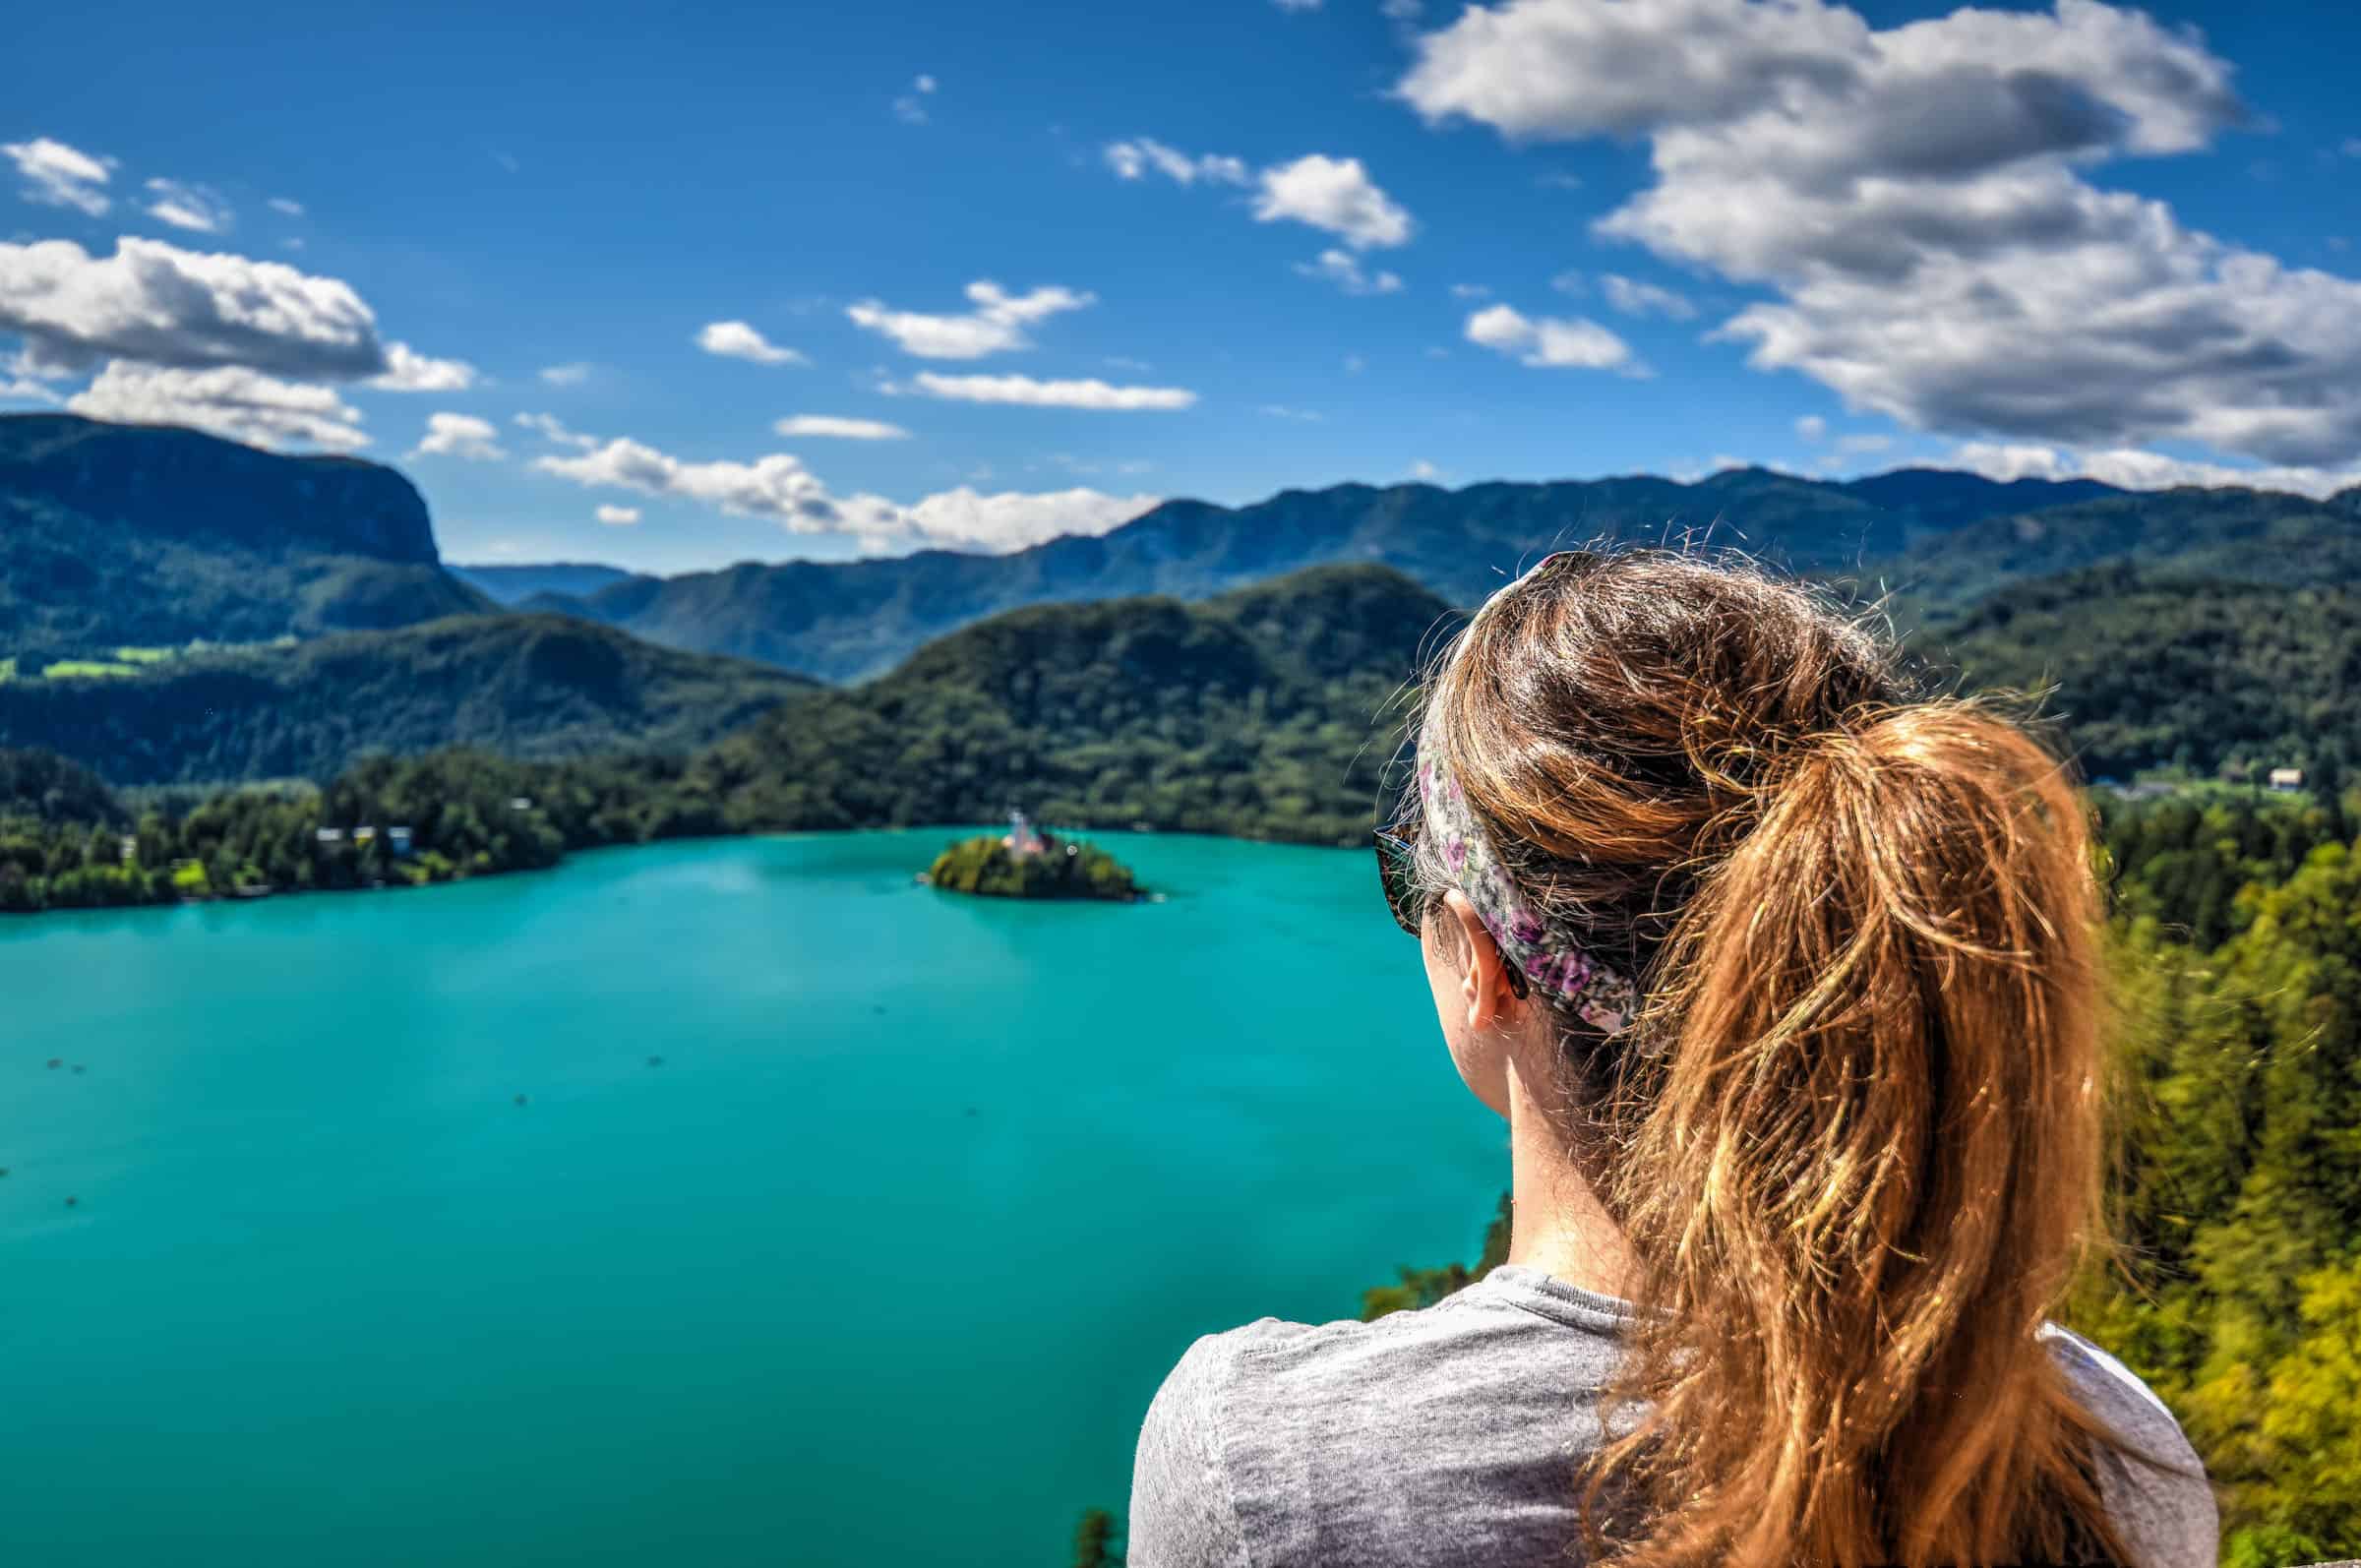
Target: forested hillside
(156, 537)
(529, 685)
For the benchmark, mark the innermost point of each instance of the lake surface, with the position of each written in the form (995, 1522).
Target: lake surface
(881, 1264)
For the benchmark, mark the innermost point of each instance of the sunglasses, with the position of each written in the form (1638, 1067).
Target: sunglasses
(1406, 899)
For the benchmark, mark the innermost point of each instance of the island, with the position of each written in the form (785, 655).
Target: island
(1027, 863)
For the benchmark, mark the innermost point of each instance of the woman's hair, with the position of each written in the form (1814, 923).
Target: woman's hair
(1855, 1135)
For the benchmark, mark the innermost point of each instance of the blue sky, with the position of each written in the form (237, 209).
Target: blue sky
(1084, 255)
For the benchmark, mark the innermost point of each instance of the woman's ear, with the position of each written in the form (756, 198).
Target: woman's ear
(1483, 987)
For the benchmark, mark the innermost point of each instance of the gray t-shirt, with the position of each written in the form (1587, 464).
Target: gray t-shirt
(1449, 1436)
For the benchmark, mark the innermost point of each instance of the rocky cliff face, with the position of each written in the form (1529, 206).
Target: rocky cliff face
(182, 484)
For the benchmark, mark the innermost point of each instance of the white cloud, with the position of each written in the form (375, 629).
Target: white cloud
(1310, 416)
(460, 436)
(1918, 200)
(781, 488)
(1354, 364)
(738, 340)
(1343, 269)
(556, 432)
(282, 205)
(2134, 469)
(996, 324)
(183, 206)
(58, 175)
(230, 401)
(24, 389)
(1424, 471)
(1812, 428)
(1634, 298)
(156, 303)
(1025, 390)
(569, 374)
(1866, 441)
(907, 107)
(1297, 5)
(996, 525)
(1569, 281)
(618, 517)
(2350, 147)
(1550, 341)
(1558, 181)
(1400, 10)
(1469, 291)
(1336, 195)
(407, 370)
(1132, 158)
(828, 425)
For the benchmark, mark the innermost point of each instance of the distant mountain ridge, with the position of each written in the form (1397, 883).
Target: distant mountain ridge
(514, 585)
(843, 621)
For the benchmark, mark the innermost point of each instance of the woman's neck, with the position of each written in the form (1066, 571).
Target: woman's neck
(1558, 1224)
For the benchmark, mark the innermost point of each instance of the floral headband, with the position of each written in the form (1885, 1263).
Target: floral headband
(1601, 998)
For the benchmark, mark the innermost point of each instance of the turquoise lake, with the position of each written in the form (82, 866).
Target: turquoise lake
(881, 1263)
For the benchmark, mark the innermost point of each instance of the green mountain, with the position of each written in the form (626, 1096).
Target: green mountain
(531, 686)
(1259, 712)
(2155, 666)
(558, 581)
(848, 620)
(153, 537)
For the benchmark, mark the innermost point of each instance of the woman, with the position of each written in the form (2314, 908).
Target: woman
(1785, 980)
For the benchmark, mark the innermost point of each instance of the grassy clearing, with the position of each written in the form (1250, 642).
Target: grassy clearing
(69, 669)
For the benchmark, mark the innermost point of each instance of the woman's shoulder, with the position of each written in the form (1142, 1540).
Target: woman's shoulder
(2153, 1482)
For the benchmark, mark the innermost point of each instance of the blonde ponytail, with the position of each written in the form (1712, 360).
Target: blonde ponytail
(1868, 1165)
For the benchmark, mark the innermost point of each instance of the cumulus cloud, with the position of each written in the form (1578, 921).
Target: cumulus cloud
(738, 340)
(407, 370)
(996, 525)
(187, 310)
(194, 206)
(230, 401)
(567, 374)
(779, 487)
(1918, 198)
(1132, 158)
(1336, 195)
(618, 517)
(58, 175)
(24, 389)
(1086, 394)
(1635, 298)
(1550, 341)
(550, 430)
(1343, 269)
(285, 207)
(460, 436)
(997, 324)
(832, 427)
(2132, 468)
